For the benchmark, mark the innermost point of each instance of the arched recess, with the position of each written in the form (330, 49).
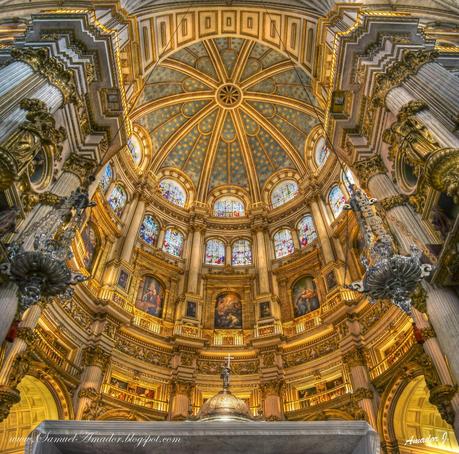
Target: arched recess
(36, 405)
(405, 412)
(418, 421)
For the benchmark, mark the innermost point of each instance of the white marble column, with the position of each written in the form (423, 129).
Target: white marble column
(262, 262)
(8, 307)
(322, 232)
(132, 234)
(47, 93)
(195, 261)
(405, 224)
(439, 88)
(399, 97)
(30, 320)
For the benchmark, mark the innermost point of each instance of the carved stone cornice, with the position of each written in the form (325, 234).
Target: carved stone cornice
(271, 388)
(20, 148)
(89, 393)
(30, 199)
(19, 368)
(182, 387)
(362, 393)
(428, 333)
(419, 299)
(441, 397)
(95, 356)
(27, 335)
(355, 357)
(50, 68)
(80, 166)
(393, 201)
(8, 397)
(368, 168)
(399, 71)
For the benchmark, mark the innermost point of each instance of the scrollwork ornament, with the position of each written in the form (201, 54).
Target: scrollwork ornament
(8, 397)
(20, 148)
(50, 68)
(441, 397)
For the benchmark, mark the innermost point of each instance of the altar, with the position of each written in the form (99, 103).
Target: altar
(203, 437)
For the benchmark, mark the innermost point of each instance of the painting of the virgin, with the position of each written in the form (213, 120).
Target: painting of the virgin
(151, 297)
(91, 245)
(304, 295)
(228, 311)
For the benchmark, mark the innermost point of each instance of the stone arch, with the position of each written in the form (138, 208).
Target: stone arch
(37, 403)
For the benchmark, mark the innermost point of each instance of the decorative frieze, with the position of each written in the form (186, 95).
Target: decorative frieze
(311, 353)
(356, 357)
(393, 201)
(368, 168)
(399, 71)
(212, 367)
(35, 134)
(96, 356)
(50, 68)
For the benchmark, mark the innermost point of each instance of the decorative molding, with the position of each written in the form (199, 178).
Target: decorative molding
(50, 68)
(368, 168)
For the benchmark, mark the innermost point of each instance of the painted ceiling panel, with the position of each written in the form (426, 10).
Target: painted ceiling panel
(274, 138)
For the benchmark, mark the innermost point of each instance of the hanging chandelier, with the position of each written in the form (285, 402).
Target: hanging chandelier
(387, 275)
(42, 271)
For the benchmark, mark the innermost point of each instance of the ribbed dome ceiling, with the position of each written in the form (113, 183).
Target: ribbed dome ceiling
(227, 111)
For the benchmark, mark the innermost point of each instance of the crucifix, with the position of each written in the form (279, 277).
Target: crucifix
(226, 371)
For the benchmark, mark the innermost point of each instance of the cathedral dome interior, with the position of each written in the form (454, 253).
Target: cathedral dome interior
(262, 192)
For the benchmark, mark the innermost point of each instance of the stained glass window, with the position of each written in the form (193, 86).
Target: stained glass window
(173, 242)
(283, 243)
(283, 192)
(306, 231)
(135, 150)
(321, 152)
(348, 178)
(215, 252)
(241, 253)
(149, 230)
(229, 207)
(117, 200)
(173, 192)
(336, 200)
(107, 177)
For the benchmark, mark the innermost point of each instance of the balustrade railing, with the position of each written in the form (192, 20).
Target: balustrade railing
(396, 355)
(135, 399)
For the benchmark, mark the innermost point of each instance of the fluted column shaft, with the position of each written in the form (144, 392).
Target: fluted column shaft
(407, 228)
(19, 345)
(195, 261)
(322, 232)
(439, 88)
(133, 231)
(399, 97)
(262, 262)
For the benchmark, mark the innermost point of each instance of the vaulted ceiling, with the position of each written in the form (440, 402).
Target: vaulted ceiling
(227, 111)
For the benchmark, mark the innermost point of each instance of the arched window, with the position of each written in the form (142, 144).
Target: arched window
(306, 231)
(229, 207)
(215, 252)
(336, 200)
(321, 152)
(173, 242)
(172, 191)
(241, 253)
(117, 200)
(107, 177)
(283, 243)
(348, 178)
(149, 230)
(135, 149)
(283, 192)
